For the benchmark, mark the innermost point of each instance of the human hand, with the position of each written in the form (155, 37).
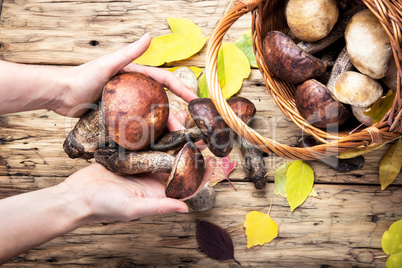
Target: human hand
(113, 197)
(87, 80)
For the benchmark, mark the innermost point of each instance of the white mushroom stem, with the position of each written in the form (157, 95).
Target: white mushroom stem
(342, 64)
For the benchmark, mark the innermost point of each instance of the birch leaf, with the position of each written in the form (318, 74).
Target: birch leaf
(381, 107)
(260, 229)
(185, 41)
(391, 243)
(245, 44)
(280, 179)
(299, 183)
(233, 68)
(391, 164)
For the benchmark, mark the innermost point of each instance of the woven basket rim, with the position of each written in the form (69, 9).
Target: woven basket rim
(385, 131)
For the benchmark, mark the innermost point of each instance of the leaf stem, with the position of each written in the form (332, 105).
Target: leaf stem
(381, 257)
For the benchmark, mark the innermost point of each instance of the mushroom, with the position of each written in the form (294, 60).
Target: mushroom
(135, 109)
(336, 33)
(186, 168)
(390, 78)
(88, 134)
(368, 44)
(288, 61)
(311, 20)
(204, 200)
(211, 127)
(357, 89)
(342, 64)
(358, 113)
(254, 164)
(318, 106)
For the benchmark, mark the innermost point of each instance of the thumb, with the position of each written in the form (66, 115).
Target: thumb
(158, 206)
(112, 63)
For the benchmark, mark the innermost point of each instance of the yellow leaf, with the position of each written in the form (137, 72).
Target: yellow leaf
(391, 164)
(233, 68)
(280, 179)
(260, 229)
(185, 41)
(391, 243)
(299, 183)
(379, 108)
(359, 151)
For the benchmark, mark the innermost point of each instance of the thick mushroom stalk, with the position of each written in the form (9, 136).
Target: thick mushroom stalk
(89, 134)
(254, 164)
(186, 169)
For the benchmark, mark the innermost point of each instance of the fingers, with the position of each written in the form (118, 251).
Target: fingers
(176, 121)
(114, 62)
(157, 206)
(167, 78)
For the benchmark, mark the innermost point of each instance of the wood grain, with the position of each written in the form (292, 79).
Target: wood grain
(342, 228)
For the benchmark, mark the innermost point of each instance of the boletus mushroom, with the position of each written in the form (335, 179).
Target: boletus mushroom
(318, 106)
(88, 134)
(368, 44)
(288, 61)
(210, 127)
(357, 89)
(135, 109)
(311, 20)
(186, 168)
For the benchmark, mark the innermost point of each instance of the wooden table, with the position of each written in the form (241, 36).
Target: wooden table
(341, 228)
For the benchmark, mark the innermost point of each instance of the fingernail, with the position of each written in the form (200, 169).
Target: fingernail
(182, 210)
(145, 36)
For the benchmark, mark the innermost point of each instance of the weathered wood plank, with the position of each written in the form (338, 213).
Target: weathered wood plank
(343, 228)
(74, 32)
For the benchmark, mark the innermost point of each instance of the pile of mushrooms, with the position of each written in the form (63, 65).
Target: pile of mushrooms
(319, 28)
(131, 139)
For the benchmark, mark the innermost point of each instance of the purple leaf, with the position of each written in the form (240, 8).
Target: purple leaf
(215, 241)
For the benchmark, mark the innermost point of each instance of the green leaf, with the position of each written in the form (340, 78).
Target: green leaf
(185, 41)
(233, 67)
(391, 243)
(299, 183)
(380, 107)
(245, 44)
(202, 87)
(197, 71)
(391, 164)
(280, 179)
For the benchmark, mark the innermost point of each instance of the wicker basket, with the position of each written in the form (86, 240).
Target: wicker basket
(269, 15)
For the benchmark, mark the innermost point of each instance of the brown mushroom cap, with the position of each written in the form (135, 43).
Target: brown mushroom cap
(187, 172)
(316, 104)
(289, 62)
(242, 107)
(217, 134)
(135, 108)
